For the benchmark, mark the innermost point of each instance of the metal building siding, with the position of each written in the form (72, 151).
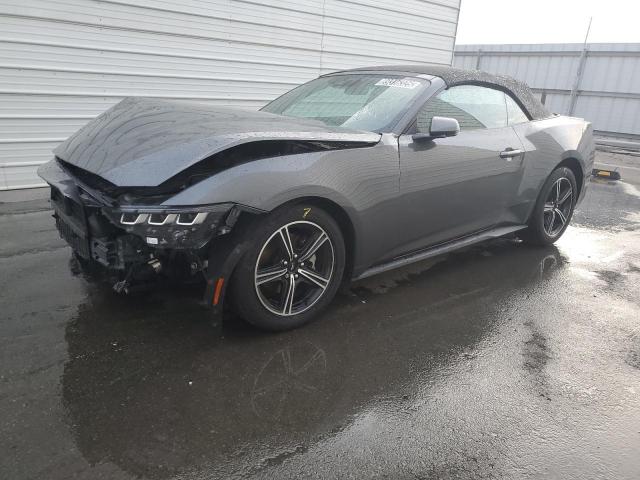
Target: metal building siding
(62, 62)
(608, 94)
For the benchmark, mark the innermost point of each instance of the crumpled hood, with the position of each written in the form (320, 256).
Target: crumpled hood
(144, 142)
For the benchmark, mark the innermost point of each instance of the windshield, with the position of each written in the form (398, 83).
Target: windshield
(359, 101)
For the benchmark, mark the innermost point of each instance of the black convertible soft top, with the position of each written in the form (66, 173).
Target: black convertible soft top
(456, 76)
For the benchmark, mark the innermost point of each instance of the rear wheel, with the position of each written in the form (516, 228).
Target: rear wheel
(292, 269)
(554, 208)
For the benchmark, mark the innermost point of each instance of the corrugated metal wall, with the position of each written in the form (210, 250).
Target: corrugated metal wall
(64, 61)
(607, 92)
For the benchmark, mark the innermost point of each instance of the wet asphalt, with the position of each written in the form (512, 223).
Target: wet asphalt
(499, 361)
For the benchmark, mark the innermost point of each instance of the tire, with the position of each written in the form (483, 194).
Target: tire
(546, 223)
(261, 283)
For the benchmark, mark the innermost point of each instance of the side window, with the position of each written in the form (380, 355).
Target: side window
(514, 112)
(473, 106)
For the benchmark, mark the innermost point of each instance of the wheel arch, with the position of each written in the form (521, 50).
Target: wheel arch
(570, 162)
(575, 166)
(343, 220)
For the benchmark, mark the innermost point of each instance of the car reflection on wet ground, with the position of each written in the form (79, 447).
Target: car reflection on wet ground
(499, 361)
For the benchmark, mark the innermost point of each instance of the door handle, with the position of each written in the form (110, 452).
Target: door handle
(510, 153)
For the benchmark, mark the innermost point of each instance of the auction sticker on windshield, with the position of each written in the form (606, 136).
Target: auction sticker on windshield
(398, 83)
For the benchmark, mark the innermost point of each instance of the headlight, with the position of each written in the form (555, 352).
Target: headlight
(186, 218)
(184, 227)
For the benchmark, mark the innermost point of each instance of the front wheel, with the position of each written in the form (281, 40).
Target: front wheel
(291, 270)
(554, 208)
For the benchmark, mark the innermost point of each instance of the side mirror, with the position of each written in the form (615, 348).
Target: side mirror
(441, 127)
(444, 127)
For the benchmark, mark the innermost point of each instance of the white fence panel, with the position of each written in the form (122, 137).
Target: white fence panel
(606, 91)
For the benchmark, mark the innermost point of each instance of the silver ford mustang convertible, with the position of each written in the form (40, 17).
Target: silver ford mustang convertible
(352, 174)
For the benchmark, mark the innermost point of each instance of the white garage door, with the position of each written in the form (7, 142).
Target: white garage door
(64, 61)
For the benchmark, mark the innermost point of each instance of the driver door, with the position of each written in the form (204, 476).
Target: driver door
(456, 186)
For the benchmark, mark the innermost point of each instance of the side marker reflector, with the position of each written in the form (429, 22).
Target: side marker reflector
(218, 290)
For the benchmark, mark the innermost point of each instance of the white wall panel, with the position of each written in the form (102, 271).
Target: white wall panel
(64, 61)
(36, 128)
(414, 16)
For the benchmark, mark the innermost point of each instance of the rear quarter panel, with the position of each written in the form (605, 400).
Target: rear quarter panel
(547, 143)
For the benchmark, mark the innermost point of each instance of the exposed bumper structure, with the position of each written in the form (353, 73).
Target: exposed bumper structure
(136, 242)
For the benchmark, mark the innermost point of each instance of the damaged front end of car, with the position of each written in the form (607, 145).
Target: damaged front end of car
(127, 188)
(138, 241)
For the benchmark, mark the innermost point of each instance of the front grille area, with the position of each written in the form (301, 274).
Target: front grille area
(78, 242)
(66, 205)
(71, 222)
